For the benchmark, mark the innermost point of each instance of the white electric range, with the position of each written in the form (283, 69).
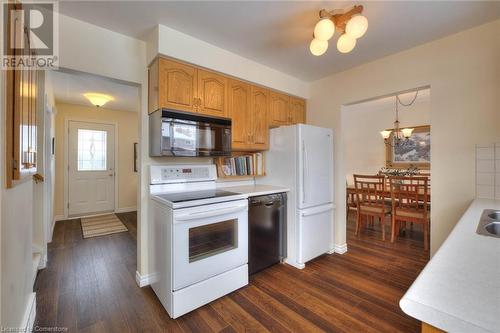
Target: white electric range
(199, 239)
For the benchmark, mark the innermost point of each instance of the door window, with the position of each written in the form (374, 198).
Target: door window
(208, 240)
(92, 150)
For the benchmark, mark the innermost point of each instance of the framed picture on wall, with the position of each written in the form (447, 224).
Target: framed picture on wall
(416, 151)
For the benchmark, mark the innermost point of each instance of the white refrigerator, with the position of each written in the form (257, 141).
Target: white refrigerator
(301, 158)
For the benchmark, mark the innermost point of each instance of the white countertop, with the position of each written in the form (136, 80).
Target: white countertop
(459, 289)
(256, 190)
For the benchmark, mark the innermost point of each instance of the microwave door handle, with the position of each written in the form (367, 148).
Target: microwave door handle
(210, 213)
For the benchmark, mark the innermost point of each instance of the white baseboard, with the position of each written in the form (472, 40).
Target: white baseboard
(43, 261)
(144, 280)
(340, 249)
(58, 218)
(295, 264)
(125, 209)
(29, 314)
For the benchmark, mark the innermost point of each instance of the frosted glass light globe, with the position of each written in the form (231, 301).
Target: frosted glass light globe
(357, 26)
(324, 29)
(346, 43)
(318, 47)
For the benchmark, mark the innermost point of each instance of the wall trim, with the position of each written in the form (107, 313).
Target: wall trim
(43, 261)
(126, 209)
(143, 280)
(340, 249)
(54, 220)
(28, 320)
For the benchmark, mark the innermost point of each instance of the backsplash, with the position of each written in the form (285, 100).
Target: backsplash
(488, 171)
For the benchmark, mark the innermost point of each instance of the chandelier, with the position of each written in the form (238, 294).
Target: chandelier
(351, 24)
(399, 135)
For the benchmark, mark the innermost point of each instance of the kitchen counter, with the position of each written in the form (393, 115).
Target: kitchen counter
(459, 289)
(256, 190)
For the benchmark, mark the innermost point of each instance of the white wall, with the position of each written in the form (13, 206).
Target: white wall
(181, 46)
(15, 243)
(362, 122)
(463, 73)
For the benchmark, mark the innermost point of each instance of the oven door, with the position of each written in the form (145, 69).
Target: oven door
(209, 240)
(191, 138)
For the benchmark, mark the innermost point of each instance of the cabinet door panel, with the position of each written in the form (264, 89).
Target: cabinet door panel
(177, 86)
(259, 113)
(297, 111)
(278, 109)
(239, 107)
(212, 94)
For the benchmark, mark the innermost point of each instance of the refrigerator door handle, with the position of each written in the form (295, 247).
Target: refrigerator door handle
(304, 159)
(317, 210)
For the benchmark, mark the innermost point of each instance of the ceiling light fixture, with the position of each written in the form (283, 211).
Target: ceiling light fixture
(98, 99)
(351, 24)
(398, 134)
(318, 47)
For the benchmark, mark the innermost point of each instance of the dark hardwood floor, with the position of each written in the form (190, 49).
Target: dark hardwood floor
(89, 286)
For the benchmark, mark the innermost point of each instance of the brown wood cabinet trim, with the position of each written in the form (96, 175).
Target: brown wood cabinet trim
(426, 328)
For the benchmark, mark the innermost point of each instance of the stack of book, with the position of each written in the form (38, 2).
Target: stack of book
(244, 165)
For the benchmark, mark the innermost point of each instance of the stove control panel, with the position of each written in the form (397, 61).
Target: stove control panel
(165, 174)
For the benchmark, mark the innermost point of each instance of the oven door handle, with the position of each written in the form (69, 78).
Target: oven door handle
(209, 213)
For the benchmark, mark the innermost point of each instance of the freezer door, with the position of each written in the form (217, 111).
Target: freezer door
(315, 171)
(315, 232)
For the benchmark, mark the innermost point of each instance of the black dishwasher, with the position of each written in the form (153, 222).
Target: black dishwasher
(267, 231)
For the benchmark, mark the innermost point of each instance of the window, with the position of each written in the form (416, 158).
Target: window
(92, 150)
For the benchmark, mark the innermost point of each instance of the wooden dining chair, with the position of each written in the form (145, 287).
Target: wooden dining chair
(409, 204)
(351, 204)
(370, 194)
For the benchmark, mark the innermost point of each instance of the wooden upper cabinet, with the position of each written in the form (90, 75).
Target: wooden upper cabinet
(177, 86)
(239, 111)
(278, 109)
(297, 110)
(253, 109)
(212, 94)
(259, 111)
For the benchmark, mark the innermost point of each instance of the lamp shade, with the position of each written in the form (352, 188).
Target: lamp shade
(407, 132)
(346, 43)
(324, 29)
(357, 26)
(385, 134)
(98, 99)
(318, 47)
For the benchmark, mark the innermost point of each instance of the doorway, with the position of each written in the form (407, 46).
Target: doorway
(395, 168)
(91, 168)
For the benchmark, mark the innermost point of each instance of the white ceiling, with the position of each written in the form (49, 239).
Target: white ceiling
(278, 33)
(70, 87)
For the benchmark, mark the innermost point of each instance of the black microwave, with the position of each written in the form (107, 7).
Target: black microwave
(178, 133)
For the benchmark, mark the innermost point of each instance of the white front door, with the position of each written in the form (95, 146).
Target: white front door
(91, 168)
